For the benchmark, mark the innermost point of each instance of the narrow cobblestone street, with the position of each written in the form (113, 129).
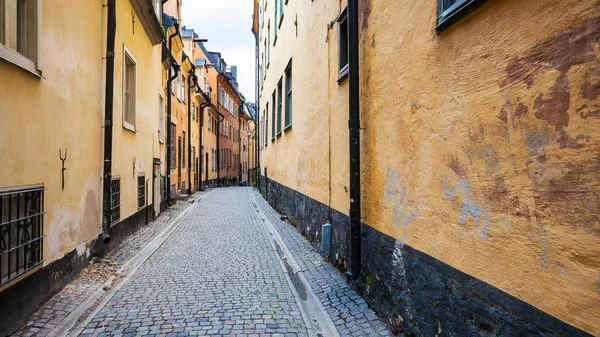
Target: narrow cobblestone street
(219, 274)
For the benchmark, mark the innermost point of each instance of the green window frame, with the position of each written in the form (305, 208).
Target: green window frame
(288, 96)
(279, 104)
(273, 117)
(450, 11)
(343, 65)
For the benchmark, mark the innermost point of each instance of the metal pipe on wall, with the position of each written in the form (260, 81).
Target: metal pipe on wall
(175, 74)
(354, 126)
(108, 117)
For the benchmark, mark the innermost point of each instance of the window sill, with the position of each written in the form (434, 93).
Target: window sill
(275, 40)
(129, 126)
(343, 74)
(287, 127)
(20, 61)
(279, 134)
(280, 20)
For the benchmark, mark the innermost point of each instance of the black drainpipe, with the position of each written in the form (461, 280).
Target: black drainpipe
(175, 74)
(190, 79)
(108, 117)
(202, 107)
(221, 118)
(354, 125)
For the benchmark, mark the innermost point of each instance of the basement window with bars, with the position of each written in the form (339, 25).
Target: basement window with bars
(115, 200)
(141, 191)
(21, 231)
(163, 187)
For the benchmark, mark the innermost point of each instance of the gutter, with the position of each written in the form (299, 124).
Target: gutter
(221, 118)
(175, 74)
(202, 107)
(354, 126)
(111, 29)
(191, 77)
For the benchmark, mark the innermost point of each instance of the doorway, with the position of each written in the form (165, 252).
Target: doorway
(179, 166)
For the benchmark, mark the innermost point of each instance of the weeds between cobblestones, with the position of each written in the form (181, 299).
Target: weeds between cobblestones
(349, 312)
(57, 308)
(217, 274)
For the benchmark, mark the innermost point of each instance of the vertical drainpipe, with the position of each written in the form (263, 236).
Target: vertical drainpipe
(175, 74)
(221, 118)
(240, 144)
(190, 79)
(257, 109)
(108, 116)
(354, 126)
(202, 107)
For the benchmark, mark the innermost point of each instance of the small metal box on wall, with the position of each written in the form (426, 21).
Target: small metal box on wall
(326, 239)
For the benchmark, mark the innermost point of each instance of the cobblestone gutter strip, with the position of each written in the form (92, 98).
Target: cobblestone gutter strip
(315, 316)
(115, 282)
(349, 312)
(52, 317)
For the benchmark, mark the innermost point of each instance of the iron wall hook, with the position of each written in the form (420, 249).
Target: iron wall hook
(63, 165)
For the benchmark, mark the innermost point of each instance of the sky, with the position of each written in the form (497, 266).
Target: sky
(227, 26)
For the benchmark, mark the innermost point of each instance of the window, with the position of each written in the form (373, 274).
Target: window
(129, 83)
(268, 44)
(279, 105)
(183, 151)
(171, 73)
(173, 163)
(280, 11)
(115, 200)
(141, 191)
(343, 44)
(266, 124)
(161, 119)
(288, 96)
(448, 9)
(20, 24)
(193, 111)
(183, 88)
(21, 231)
(273, 116)
(275, 17)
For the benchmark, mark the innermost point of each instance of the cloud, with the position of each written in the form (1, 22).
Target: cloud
(227, 26)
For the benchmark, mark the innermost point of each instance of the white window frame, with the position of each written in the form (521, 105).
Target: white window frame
(161, 118)
(33, 66)
(126, 124)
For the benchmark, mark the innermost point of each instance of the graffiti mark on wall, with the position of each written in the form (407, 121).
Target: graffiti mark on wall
(404, 209)
(469, 209)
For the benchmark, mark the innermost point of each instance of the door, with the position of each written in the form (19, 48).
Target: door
(179, 166)
(206, 180)
(156, 190)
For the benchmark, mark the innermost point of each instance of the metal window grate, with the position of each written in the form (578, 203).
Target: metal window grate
(115, 200)
(21, 232)
(141, 191)
(163, 187)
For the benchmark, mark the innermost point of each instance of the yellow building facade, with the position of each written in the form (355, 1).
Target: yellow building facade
(479, 155)
(52, 107)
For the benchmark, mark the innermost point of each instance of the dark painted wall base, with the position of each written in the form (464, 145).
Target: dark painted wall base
(417, 294)
(23, 298)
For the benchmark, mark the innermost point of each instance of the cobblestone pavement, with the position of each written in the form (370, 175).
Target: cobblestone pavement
(217, 274)
(349, 312)
(55, 310)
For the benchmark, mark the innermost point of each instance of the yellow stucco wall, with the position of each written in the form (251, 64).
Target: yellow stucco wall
(65, 110)
(141, 146)
(496, 117)
(62, 110)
